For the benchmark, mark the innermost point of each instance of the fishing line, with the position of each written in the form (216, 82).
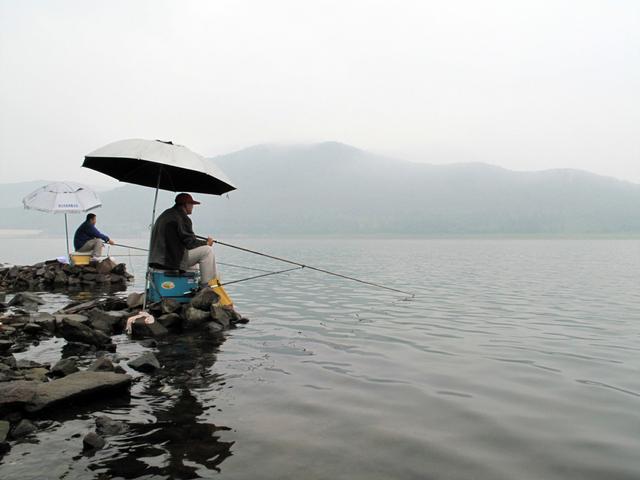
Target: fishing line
(260, 276)
(307, 266)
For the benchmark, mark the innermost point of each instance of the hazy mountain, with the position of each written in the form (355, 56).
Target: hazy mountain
(331, 188)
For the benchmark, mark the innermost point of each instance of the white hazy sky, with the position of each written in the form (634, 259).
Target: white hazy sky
(527, 85)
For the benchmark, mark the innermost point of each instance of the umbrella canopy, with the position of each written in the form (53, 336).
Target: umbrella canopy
(62, 197)
(158, 164)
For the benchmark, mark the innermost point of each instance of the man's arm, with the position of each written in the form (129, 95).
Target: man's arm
(95, 233)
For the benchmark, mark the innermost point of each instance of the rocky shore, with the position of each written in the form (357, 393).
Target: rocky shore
(89, 367)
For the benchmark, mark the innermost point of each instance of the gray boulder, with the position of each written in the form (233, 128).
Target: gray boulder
(170, 305)
(76, 332)
(24, 428)
(107, 322)
(195, 318)
(140, 329)
(4, 430)
(92, 441)
(204, 299)
(109, 426)
(135, 300)
(74, 386)
(26, 299)
(64, 367)
(102, 364)
(147, 363)
(171, 321)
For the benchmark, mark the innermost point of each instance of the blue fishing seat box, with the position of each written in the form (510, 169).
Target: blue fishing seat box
(177, 285)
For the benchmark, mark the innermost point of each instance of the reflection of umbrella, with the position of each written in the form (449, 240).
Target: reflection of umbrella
(62, 197)
(162, 165)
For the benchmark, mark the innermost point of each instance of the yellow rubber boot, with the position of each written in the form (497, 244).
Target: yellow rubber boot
(225, 299)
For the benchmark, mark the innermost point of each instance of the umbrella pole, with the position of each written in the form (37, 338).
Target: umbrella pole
(153, 218)
(66, 233)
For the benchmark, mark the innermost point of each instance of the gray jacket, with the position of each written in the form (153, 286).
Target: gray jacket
(172, 235)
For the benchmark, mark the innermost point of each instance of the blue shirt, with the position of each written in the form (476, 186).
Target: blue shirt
(85, 232)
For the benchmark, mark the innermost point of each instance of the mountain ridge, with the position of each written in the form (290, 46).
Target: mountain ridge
(334, 188)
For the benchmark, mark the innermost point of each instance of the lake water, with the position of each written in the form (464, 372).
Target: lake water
(516, 359)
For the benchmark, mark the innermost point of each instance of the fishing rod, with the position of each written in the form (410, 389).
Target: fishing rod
(219, 263)
(260, 276)
(302, 265)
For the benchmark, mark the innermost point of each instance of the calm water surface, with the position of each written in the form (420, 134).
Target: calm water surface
(516, 359)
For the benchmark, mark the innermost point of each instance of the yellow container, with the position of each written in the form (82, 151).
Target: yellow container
(80, 258)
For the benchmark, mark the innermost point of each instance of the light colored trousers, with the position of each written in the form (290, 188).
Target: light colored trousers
(94, 246)
(206, 260)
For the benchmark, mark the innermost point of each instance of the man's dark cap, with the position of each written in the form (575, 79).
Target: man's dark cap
(185, 198)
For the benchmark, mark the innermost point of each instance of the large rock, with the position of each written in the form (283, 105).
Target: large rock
(171, 321)
(74, 386)
(17, 393)
(135, 300)
(92, 441)
(141, 329)
(26, 299)
(76, 332)
(64, 367)
(45, 320)
(147, 363)
(76, 317)
(109, 426)
(170, 305)
(4, 430)
(102, 364)
(204, 299)
(195, 318)
(222, 315)
(5, 345)
(25, 427)
(107, 322)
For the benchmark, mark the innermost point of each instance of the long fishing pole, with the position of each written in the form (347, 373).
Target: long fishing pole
(306, 266)
(219, 263)
(260, 276)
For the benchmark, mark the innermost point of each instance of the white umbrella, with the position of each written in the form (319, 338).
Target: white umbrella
(160, 165)
(62, 197)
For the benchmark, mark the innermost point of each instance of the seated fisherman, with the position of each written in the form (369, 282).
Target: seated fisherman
(88, 238)
(174, 246)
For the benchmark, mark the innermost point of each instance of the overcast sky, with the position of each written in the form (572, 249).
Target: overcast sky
(527, 85)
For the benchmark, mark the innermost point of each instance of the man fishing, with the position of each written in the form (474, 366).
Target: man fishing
(88, 238)
(174, 246)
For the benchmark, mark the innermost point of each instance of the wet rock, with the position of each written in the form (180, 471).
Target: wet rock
(4, 430)
(92, 441)
(135, 300)
(17, 393)
(45, 320)
(25, 427)
(105, 266)
(140, 329)
(195, 318)
(115, 303)
(5, 345)
(64, 367)
(204, 299)
(222, 315)
(75, 386)
(32, 329)
(170, 305)
(60, 279)
(72, 349)
(214, 328)
(109, 426)
(146, 363)
(9, 360)
(107, 322)
(171, 321)
(102, 364)
(26, 299)
(26, 363)
(71, 316)
(76, 332)
(148, 343)
(38, 374)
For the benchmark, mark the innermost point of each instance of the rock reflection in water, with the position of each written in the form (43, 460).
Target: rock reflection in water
(178, 444)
